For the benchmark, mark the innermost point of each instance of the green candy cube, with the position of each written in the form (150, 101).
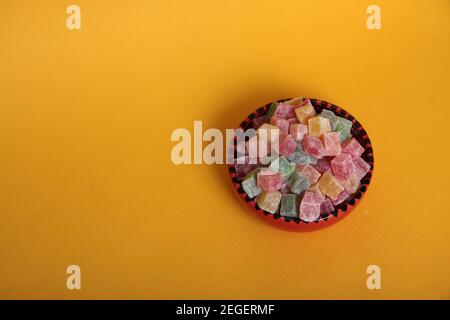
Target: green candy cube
(298, 183)
(338, 124)
(343, 126)
(272, 109)
(311, 160)
(330, 116)
(249, 184)
(285, 167)
(300, 157)
(289, 205)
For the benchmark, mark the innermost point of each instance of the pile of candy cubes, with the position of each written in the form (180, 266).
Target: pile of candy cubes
(318, 165)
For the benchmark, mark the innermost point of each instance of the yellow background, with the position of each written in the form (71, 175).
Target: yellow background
(85, 170)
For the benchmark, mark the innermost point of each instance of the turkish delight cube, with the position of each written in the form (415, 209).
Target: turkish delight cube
(305, 111)
(330, 185)
(295, 101)
(272, 109)
(301, 157)
(312, 174)
(280, 123)
(268, 132)
(351, 185)
(313, 146)
(285, 187)
(283, 166)
(317, 126)
(331, 143)
(330, 116)
(326, 207)
(361, 167)
(310, 207)
(269, 180)
(353, 148)
(340, 198)
(284, 110)
(316, 189)
(343, 126)
(287, 145)
(342, 166)
(322, 165)
(249, 184)
(298, 131)
(289, 205)
(269, 201)
(298, 183)
(269, 127)
(243, 166)
(292, 120)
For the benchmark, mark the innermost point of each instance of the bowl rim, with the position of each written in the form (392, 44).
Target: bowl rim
(342, 210)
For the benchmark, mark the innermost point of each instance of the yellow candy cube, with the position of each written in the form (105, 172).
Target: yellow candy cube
(268, 131)
(295, 101)
(330, 185)
(269, 201)
(316, 189)
(318, 126)
(305, 112)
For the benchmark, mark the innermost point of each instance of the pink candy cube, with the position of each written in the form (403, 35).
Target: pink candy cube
(293, 120)
(361, 167)
(353, 148)
(281, 123)
(342, 166)
(269, 180)
(311, 174)
(310, 206)
(351, 185)
(285, 187)
(243, 169)
(331, 143)
(287, 145)
(313, 146)
(284, 110)
(340, 198)
(326, 206)
(322, 165)
(298, 131)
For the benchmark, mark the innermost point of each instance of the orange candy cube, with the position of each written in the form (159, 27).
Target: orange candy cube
(305, 111)
(330, 185)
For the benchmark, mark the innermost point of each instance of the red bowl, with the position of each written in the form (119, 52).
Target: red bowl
(342, 210)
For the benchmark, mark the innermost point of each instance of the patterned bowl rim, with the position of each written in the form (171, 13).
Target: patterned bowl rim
(342, 210)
